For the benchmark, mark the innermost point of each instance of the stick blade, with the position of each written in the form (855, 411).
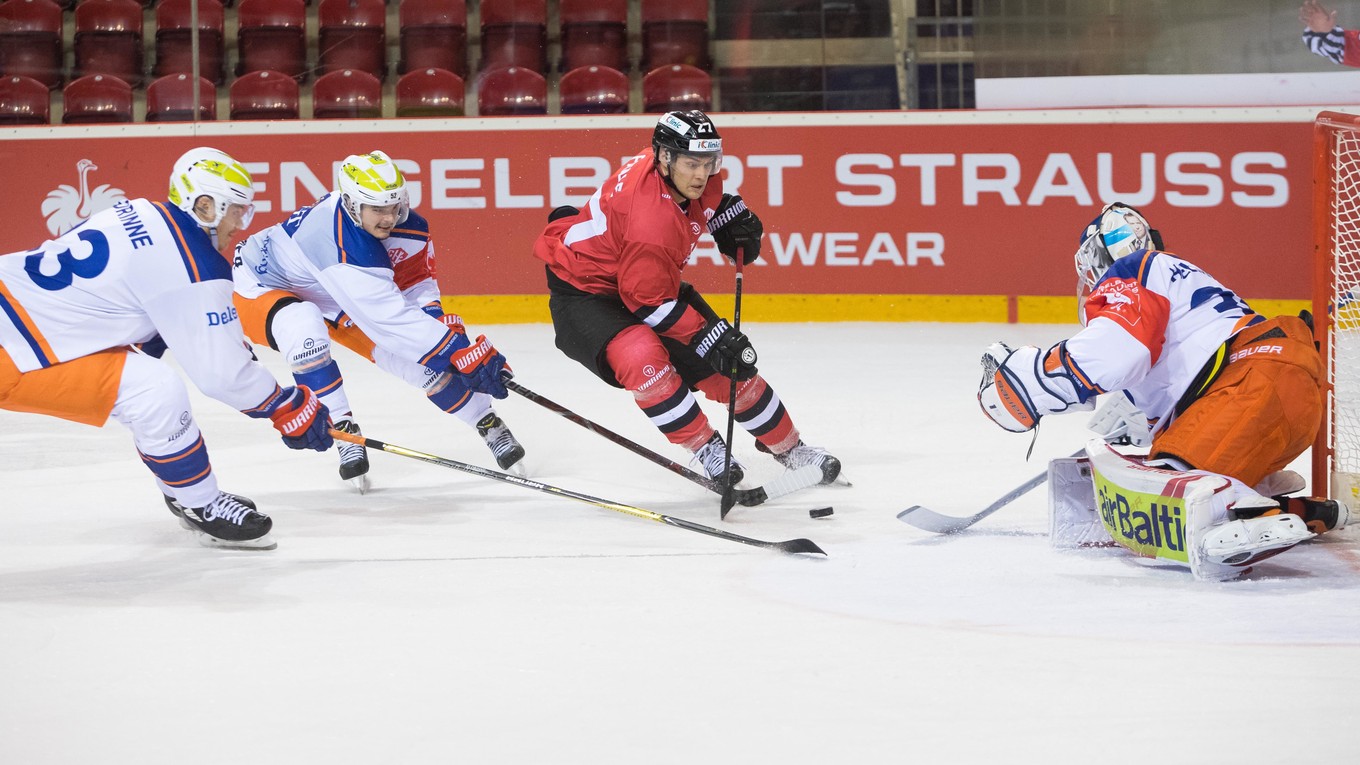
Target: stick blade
(928, 520)
(794, 546)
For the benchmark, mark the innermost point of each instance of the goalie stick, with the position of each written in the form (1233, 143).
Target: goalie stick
(789, 482)
(928, 520)
(788, 546)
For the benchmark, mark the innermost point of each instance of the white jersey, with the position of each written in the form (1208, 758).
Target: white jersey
(1152, 323)
(319, 255)
(124, 276)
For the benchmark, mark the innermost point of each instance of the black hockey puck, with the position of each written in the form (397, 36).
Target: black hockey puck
(820, 512)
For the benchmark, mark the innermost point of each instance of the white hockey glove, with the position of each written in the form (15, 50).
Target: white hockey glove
(1016, 390)
(1118, 421)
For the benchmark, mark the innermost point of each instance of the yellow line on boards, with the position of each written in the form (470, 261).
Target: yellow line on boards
(1029, 309)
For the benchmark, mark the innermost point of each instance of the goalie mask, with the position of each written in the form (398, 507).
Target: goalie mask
(206, 172)
(1118, 230)
(371, 179)
(690, 133)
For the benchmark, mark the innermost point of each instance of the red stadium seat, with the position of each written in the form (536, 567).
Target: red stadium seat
(675, 32)
(430, 93)
(352, 36)
(109, 39)
(594, 32)
(515, 34)
(171, 99)
(23, 101)
(96, 98)
(594, 90)
(347, 94)
(433, 36)
(174, 33)
(512, 90)
(30, 40)
(264, 96)
(272, 37)
(676, 88)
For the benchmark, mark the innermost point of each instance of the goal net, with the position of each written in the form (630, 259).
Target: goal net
(1336, 301)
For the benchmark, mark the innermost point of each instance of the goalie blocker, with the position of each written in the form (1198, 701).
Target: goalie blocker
(1214, 525)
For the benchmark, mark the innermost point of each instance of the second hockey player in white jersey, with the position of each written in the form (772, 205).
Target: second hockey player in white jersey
(151, 273)
(357, 268)
(1223, 397)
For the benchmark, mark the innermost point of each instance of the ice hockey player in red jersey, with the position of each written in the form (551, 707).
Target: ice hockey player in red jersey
(151, 275)
(1223, 397)
(620, 308)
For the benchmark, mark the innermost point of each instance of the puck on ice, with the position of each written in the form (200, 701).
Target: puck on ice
(820, 512)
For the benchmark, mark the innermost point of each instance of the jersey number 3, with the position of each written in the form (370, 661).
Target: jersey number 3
(87, 267)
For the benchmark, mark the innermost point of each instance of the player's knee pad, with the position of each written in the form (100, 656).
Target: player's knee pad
(154, 404)
(639, 361)
(301, 335)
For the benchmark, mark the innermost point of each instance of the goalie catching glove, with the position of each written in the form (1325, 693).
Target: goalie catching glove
(735, 228)
(727, 350)
(483, 368)
(1022, 385)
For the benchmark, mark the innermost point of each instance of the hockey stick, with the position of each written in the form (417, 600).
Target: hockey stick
(929, 520)
(727, 498)
(789, 546)
(790, 481)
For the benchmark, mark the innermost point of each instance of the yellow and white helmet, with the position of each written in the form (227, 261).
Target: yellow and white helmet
(208, 172)
(371, 179)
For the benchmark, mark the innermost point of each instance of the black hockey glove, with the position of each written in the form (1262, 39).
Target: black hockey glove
(724, 348)
(735, 227)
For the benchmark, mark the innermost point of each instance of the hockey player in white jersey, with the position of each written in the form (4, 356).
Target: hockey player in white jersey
(357, 268)
(1223, 398)
(151, 273)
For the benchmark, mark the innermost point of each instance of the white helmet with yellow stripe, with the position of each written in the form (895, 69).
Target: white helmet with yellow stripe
(371, 179)
(207, 172)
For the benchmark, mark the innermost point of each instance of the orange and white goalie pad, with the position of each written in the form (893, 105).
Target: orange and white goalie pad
(1186, 518)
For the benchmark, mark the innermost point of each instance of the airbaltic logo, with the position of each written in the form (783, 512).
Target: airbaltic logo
(1161, 525)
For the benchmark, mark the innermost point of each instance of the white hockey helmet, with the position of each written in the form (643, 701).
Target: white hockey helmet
(207, 172)
(1118, 230)
(371, 179)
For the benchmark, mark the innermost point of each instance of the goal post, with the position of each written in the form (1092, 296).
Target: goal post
(1336, 301)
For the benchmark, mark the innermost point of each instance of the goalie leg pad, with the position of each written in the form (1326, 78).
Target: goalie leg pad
(1073, 520)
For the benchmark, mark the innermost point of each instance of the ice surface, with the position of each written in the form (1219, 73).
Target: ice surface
(449, 618)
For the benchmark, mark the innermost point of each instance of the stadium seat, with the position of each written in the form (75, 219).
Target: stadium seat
(171, 99)
(594, 90)
(264, 95)
(515, 34)
(675, 32)
(109, 39)
(272, 37)
(174, 35)
(433, 36)
(347, 94)
(23, 101)
(97, 98)
(512, 90)
(676, 87)
(30, 40)
(430, 93)
(352, 36)
(594, 32)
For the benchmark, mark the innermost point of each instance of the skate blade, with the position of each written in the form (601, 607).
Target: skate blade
(518, 469)
(360, 483)
(263, 543)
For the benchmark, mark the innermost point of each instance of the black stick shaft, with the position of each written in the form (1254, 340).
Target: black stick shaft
(789, 546)
(727, 499)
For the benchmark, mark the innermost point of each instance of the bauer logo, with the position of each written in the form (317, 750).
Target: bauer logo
(1147, 524)
(221, 318)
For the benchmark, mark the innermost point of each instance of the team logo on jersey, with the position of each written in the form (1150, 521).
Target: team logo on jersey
(68, 206)
(694, 228)
(398, 254)
(1121, 298)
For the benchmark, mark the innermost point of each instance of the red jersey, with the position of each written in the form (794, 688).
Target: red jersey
(633, 240)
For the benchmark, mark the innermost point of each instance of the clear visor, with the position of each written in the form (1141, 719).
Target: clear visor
(710, 161)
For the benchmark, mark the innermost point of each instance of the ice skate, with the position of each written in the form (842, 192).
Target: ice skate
(177, 509)
(353, 457)
(229, 523)
(501, 442)
(802, 455)
(1243, 542)
(712, 455)
(1321, 515)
